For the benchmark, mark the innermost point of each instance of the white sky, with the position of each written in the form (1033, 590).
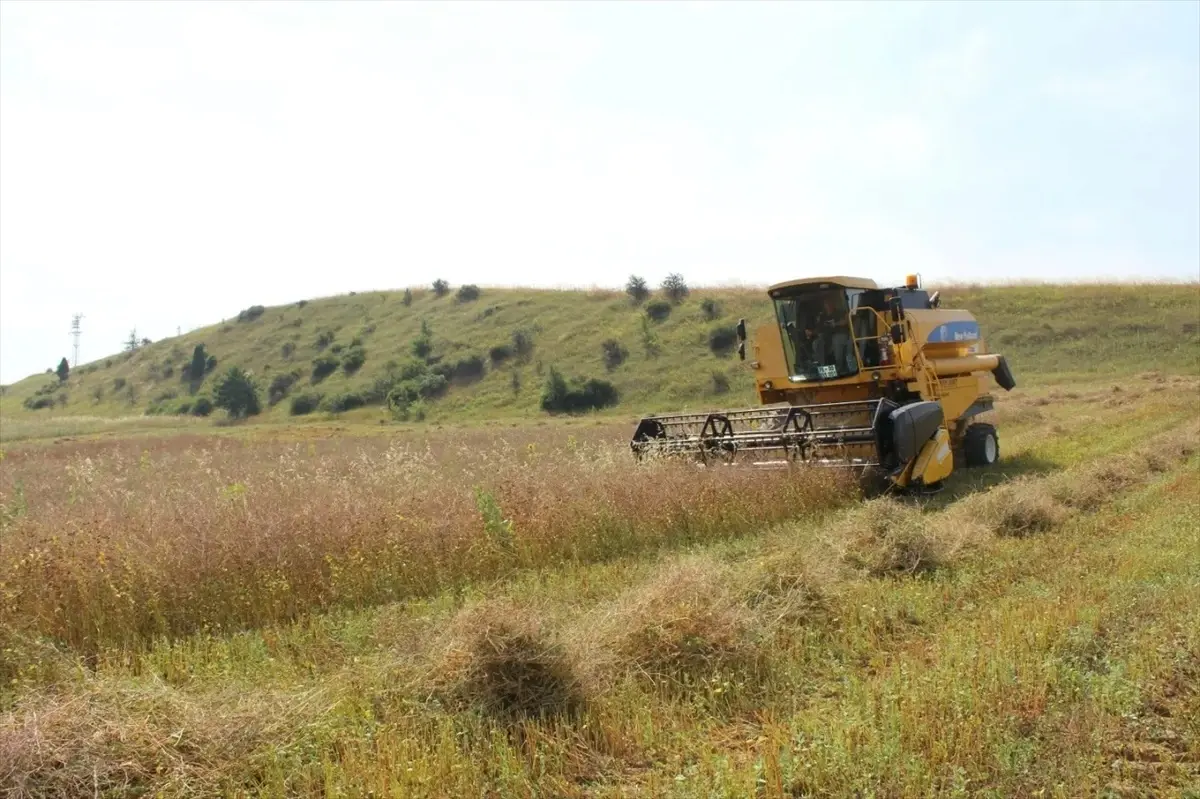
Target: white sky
(164, 165)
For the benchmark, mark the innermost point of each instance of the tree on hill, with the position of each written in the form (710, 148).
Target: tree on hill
(440, 287)
(132, 342)
(63, 370)
(637, 290)
(675, 288)
(237, 393)
(201, 364)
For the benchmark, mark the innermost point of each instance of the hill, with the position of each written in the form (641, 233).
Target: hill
(496, 350)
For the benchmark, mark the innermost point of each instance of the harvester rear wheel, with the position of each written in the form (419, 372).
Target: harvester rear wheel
(980, 445)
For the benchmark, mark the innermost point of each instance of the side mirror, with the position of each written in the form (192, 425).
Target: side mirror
(935, 300)
(741, 330)
(741, 350)
(897, 334)
(897, 308)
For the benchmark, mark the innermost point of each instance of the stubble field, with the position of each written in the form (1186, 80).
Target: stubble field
(524, 612)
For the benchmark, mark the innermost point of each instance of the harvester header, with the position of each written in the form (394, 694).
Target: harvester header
(852, 374)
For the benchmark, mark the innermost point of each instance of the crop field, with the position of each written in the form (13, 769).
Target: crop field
(522, 610)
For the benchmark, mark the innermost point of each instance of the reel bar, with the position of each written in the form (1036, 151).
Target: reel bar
(794, 432)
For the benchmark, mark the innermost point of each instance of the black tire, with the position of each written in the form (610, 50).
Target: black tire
(980, 445)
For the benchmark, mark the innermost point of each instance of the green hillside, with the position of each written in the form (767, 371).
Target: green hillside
(1043, 329)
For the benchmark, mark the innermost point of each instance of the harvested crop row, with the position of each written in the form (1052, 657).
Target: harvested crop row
(1027, 506)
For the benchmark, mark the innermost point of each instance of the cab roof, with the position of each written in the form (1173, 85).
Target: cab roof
(846, 282)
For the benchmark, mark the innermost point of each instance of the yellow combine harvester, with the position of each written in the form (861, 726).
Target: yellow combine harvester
(851, 374)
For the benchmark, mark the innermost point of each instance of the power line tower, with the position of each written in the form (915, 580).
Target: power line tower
(75, 334)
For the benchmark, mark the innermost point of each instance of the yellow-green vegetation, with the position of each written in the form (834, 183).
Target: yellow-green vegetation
(520, 609)
(527, 613)
(491, 356)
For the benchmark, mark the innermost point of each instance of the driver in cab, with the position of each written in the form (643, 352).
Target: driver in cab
(833, 347)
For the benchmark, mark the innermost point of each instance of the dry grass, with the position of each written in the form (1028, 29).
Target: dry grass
(1023, 507)
(500, 658)
(792, 585)
(887, 536)
(118, 741)
(686, 622)
(115, 545)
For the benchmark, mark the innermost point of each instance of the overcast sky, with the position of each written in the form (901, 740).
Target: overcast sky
(163, 165)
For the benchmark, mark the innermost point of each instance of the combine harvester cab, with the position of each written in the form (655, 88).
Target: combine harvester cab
(852, 375)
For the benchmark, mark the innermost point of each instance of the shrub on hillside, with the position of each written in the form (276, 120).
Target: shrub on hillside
(304, 403)
(405, 396)
(522, 341)
(614, 353)
(722, 339)
(380, 388)
(468, 368)
(200, 364)
(658, 310)
(414, 382)
(407, 298)
(467, 293)
(322, 367)
(324, 339)
(637, 290)
(650, 341)
(422, 347)
(203, 406)
(344, 402)
(440, 288)
(280, 386)
(593, 394)
(183, 408)
(286, 351)
(236, 393)
(674, 287)
(36, 403)
(251, 313)
(710, 309)
(118, 383)
(500, 353)
(720, 383)
(353, 360)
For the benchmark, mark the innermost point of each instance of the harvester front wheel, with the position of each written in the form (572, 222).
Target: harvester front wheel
(980, 445)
